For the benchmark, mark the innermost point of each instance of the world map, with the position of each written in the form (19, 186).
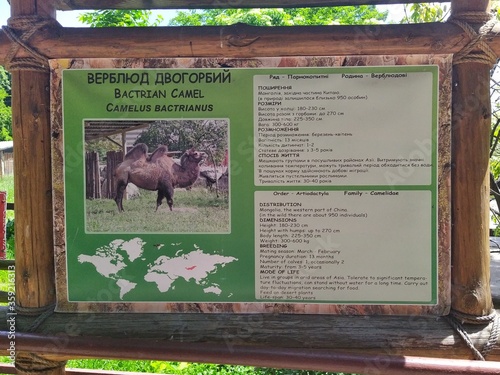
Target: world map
(195, 265)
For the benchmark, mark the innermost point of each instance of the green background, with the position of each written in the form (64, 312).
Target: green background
(232, 100)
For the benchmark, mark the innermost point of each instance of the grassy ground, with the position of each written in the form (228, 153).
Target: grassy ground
(196, 210)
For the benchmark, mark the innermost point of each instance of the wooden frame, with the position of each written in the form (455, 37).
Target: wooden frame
(471, 295)
(422, 250)
(175, 4)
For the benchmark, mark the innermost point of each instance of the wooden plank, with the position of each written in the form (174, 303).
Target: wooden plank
(470, 175)
(180, 4)
(248, 41)
(33, 181)
(31, 7)
(390, 335)
(113, 159)
(299, 358)
(6, 368)
(35, 285)
(92, 177)
(33, 234)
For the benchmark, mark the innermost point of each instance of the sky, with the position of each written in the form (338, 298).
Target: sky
(70, 18)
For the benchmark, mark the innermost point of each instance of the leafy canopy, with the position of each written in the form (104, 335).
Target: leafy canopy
(180, 135)
(119, 18)
(427, 12)
(348, 15)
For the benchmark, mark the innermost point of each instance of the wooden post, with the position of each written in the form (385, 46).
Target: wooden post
(35, 285)
(471, 123)
(32, 178)
(113, 158)
(92, 175)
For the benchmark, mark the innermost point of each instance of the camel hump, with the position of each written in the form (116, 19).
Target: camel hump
(140, 150)
(158, 153)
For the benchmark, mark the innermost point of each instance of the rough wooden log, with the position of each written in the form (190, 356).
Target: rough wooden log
(33, 193)
(92, 176)
(295, 358)
(247, 41)
(113, 159)
(385, 335)
(419, 335)
(180, 4)
(470, 175)
(35, 285)
(33, 234)
(32, 7)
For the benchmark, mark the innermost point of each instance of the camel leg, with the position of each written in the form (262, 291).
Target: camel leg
(170, 196)
(165, 191)
(159, 199)
(120, 190)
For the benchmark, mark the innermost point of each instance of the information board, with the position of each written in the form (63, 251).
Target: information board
(321, 187)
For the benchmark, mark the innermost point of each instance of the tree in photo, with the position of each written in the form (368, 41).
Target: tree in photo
(180, 135)
(209, 136)
(119, 18)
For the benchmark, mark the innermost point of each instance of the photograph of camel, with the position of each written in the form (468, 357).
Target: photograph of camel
(157, 176)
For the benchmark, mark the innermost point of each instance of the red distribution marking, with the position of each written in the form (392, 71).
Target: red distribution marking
(190, 268)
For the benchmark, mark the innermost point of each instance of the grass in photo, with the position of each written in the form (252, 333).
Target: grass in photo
(195, 211)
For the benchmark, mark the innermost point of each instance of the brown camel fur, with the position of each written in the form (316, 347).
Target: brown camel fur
(157, 172)
(140, 170)
(187, 172)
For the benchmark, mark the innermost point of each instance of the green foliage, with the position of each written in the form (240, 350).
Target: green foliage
(495, 167)
(5, 106)
(9, 239)
(119, 18)
(365, 14)
(5, 134)
(111, 365)
(209, 136)
(102, 146)
(5, 85)
(5, 118)
(495, 149)
(347, 15)
(424, 12)
(185, 368)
